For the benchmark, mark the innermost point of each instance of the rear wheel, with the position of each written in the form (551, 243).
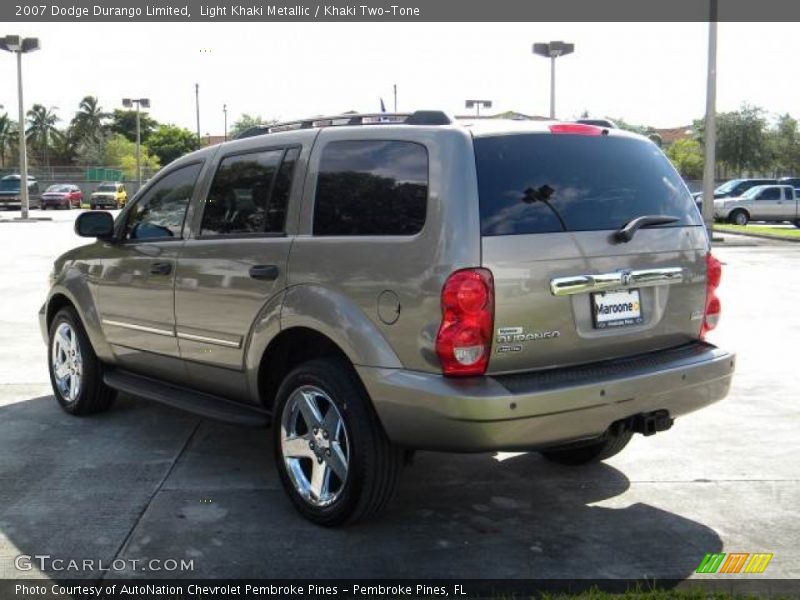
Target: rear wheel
(739, 217)
(333, 457)
(797, 223)
(75, 372)
(610, 444)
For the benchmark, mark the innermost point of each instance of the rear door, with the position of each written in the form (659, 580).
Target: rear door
(236, 262)
(566, 291)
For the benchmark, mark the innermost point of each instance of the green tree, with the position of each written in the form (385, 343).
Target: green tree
(687, 156)
(169, 142)
(120, 152)
(245, 122)
(784, 146)
(41, 129)
(88, 122)
(123, 122)
(742, 140)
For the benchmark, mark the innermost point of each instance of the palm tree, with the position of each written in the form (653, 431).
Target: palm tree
(41, 126)
(88, 121)
(5, 137)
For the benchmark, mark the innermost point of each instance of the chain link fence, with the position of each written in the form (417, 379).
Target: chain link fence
(87, 178)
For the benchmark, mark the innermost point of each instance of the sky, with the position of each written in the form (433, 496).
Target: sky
(647, 73)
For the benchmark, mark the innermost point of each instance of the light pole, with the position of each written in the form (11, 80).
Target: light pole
(710, 134)
(197, 107)
(20, 46)
(127, 103)
(553, 50)
(476, 104)
(225, 113)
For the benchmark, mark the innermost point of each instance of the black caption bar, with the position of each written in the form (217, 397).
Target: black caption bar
(398, 10)
(367, 589)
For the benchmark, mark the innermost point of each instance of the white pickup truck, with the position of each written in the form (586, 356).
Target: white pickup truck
(760, 203)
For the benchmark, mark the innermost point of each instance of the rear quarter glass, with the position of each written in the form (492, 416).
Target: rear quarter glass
(545, 183)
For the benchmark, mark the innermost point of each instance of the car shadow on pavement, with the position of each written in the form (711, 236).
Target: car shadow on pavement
(145, 482)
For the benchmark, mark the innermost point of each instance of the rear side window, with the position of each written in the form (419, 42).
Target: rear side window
(544, 183)
(249, 194)
(371, 188)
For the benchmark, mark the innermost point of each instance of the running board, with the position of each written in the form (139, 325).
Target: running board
(199, 403)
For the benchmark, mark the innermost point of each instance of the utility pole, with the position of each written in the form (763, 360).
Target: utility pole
(225, 112)
(395, 97)
(710, 133)
(197, 106)
(127, 103)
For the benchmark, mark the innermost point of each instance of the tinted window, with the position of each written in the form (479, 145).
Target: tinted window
(159, 213)
(371, 188)
(772, 193)
(541, 183)
(241, 198)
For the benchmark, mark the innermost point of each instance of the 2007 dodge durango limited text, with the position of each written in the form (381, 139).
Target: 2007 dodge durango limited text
(372, 285)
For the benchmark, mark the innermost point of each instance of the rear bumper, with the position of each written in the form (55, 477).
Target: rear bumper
(535, 410)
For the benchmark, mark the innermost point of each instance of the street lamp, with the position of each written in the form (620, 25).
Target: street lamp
(225, 112)
(710, 133)
(145, 103)
(20, 46)
(476, 104)
(552, 51)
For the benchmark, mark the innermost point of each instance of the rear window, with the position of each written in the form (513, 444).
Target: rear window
(543, 183)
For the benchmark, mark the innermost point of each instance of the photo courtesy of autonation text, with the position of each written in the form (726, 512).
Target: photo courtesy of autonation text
(373, 300)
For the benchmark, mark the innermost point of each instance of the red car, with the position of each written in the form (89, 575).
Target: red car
(62, 195)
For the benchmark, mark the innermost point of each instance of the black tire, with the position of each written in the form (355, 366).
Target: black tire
(94, 395)
(610, 444)
(92, 207)
(374, 462)
(797, 223)
(739, 217)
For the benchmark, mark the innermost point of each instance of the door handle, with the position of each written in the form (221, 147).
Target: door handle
(264, 272)
(161, 268)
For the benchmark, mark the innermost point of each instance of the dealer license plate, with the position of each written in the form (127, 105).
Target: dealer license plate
(616, 308)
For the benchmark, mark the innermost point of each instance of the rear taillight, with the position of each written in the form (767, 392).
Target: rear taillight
(713, 307)
(464, 340)
(576, 129)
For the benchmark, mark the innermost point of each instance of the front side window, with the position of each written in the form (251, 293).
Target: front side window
(249, 194)
(371, 188)
(770, 194)
(160, 212)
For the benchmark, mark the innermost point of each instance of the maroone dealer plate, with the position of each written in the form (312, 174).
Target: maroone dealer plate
(616, 308)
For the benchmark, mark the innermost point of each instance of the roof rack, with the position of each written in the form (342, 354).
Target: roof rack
(419, 117)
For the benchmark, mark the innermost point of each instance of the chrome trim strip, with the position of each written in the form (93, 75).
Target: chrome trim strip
(143, 328)
(580, 284)
(201, 338)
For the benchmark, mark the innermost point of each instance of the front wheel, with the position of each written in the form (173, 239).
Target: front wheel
(739, 217)
(610, 444)
(334, 458)
(75, 372)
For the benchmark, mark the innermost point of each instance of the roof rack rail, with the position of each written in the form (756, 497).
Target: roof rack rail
(419, 117)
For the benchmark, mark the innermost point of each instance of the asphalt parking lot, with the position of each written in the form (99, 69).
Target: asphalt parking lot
(147, 482)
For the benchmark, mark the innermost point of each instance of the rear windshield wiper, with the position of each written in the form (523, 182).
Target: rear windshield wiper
(626, 233)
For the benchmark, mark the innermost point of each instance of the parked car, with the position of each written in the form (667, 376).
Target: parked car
(109, 194)
(761, 203)
(734, 188)
(10, 192)
(62, 195)
(373, 289)
(792, 181)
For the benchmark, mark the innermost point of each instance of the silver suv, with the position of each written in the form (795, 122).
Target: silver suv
(378, 284)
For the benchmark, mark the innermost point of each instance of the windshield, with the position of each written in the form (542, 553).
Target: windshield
(753, 191)
(58, 188)
(542, 183)
(728, 186)
(107, 187)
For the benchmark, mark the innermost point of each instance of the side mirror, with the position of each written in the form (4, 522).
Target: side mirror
(95, 223)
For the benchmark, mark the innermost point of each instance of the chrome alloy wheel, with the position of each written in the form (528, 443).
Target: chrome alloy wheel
(314, 445)
(67, 362)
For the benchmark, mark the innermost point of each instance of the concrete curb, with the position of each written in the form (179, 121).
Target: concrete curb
(762, 236)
